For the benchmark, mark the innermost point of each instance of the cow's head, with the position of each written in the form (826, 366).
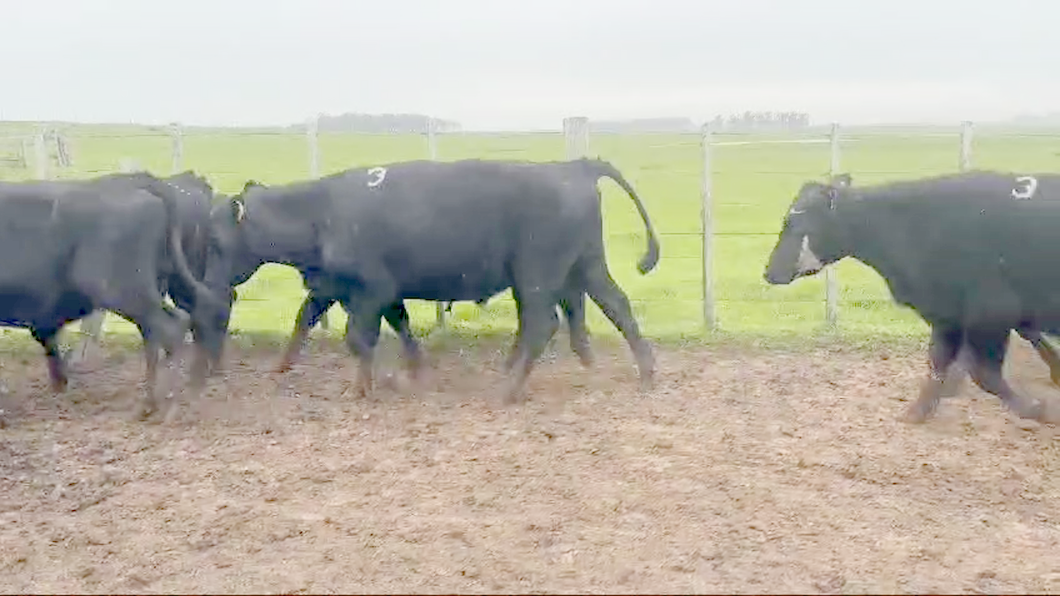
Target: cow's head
(812, 236)
(229, 263)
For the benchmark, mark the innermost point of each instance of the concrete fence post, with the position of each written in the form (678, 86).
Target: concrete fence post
(831, 279)
(313, 141)
(710, 320)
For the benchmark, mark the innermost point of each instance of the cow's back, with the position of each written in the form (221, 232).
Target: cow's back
(428, 222)
(968, 243)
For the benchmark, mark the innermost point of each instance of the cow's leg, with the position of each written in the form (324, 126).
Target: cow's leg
(954, 377)
(398, 317)
(942, 352)
(151, 348)
(161, 330)
(184, 298)
(988, 349)
(518, 345)
(1045, 350)
(516, 351)
(313, 307)
(573, 304)
(614, 303)
(47, 338)
(362, 335)
(538, 322)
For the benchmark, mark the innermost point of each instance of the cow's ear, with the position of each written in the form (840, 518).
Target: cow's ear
(239, 208)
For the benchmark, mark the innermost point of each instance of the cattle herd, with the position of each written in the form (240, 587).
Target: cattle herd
(971, 253)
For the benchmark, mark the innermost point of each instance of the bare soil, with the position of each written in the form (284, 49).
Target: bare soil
(743, 471)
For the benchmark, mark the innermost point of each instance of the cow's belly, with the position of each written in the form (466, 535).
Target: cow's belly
(28, 309)
(457, 288)
(453, 278)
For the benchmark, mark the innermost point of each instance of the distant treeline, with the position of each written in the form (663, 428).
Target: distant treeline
(383, 123)
(746, 121)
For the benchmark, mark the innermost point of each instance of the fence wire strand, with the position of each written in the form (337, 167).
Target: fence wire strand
(657, 155)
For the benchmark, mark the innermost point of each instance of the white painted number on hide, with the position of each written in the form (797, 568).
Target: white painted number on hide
(1026, 186)
(376, 176)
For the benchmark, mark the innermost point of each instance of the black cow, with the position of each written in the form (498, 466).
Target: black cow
(973, 254)
(323, 293)
(195, 196)
(68, 248)
(424, 230)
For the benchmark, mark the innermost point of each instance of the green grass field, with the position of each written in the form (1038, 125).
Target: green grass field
(753, 186)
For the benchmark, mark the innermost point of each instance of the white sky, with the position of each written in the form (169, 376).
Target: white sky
(503, 64)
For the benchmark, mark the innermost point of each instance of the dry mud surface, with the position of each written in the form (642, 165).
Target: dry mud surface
(743, 471)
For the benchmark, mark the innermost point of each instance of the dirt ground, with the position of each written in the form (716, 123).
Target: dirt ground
(743, 471)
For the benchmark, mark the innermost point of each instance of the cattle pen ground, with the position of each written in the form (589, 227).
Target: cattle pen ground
(769, 458)
(746, 470)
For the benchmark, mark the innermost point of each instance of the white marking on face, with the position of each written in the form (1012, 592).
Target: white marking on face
(241, 211)
(808, 262)
(795, 211)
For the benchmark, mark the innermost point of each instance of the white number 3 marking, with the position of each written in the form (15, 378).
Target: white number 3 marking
(378, 175)
(1026, 187)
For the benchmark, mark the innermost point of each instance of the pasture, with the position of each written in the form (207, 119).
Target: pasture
(753, 185)
(769, 458)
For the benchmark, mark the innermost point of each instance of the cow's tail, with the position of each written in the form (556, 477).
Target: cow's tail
(602, 169)
(167, 193)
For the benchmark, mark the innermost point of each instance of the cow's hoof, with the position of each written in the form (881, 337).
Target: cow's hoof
(585, 357)
(1028, 409)
(514, 395)
(415, 369)
(145, 412)
(362, 390)
(646, 383)
(920, 411)
(171, 413)
(1048, 413)
(59, 386)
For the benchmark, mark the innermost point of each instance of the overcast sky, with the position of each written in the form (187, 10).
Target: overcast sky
(497, 64)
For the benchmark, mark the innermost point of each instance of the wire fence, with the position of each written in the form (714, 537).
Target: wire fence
(716, 198)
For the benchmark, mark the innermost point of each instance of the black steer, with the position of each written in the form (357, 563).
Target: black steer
(973, 254)
(68, 248)
(323, 293)
(424, 230)
(195, 196)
